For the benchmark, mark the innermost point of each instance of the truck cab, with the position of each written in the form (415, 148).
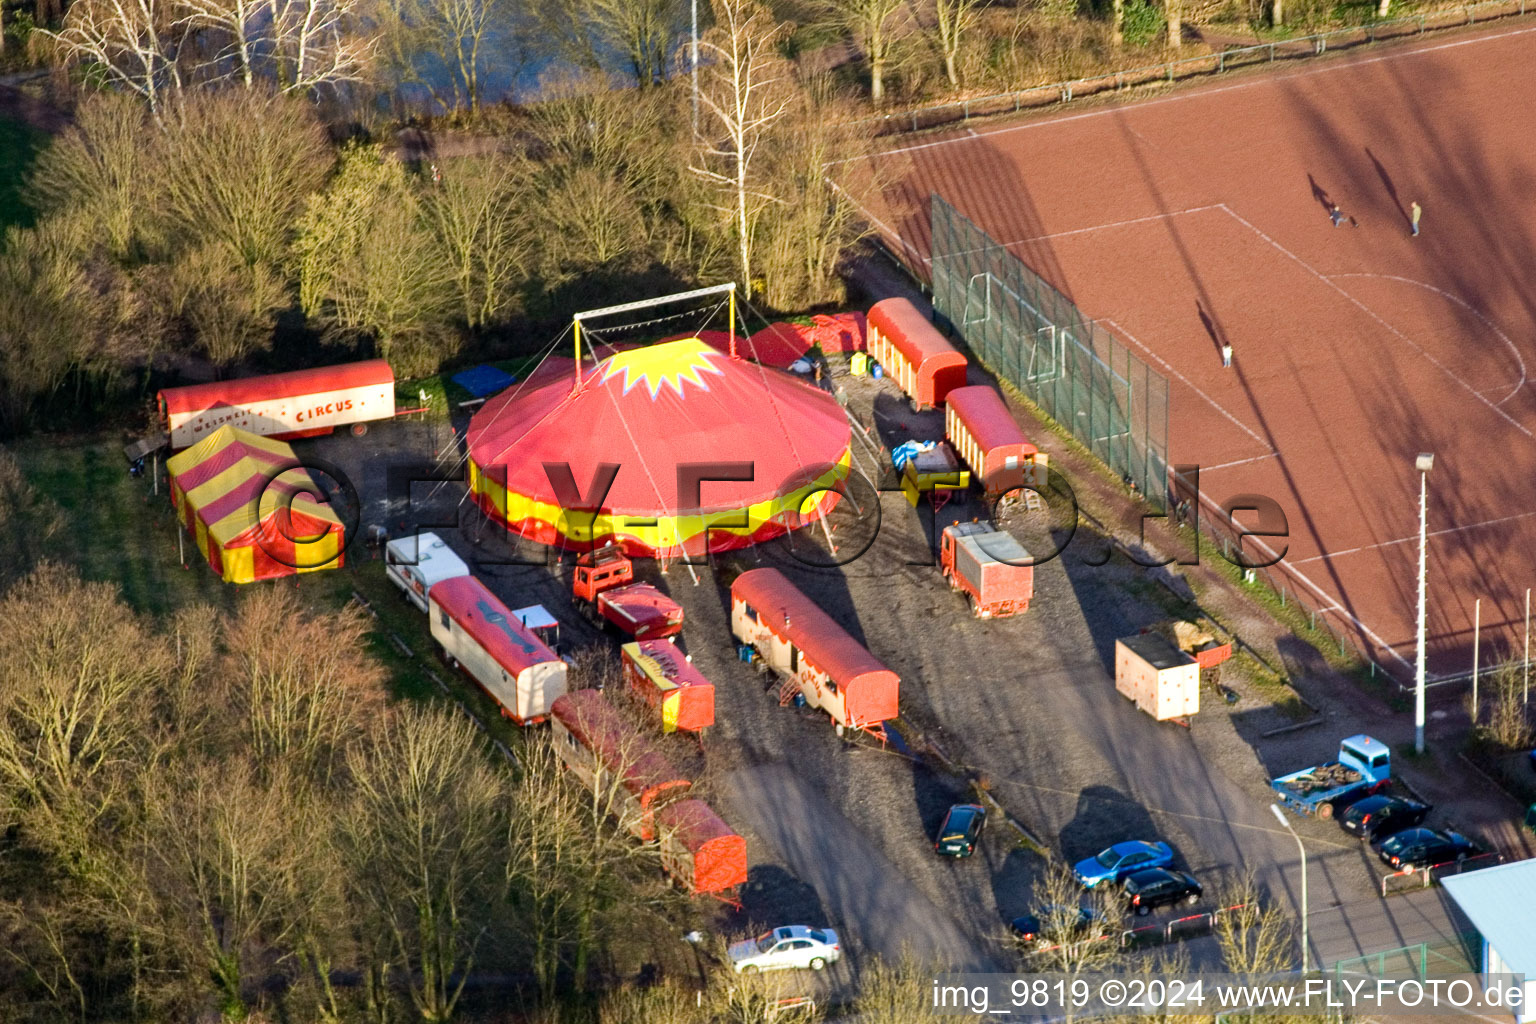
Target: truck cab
(414, 564)
(1363, 767)
(600, 570)
(1370, 757)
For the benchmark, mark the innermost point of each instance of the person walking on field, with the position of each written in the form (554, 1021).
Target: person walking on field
(1335, 214)
(1226, 355)
(1418, 211)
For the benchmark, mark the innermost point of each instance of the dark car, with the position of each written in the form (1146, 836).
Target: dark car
(1423, 848)
(961, 830)
(1376, 817)
(1085, 923)
(1159, 887)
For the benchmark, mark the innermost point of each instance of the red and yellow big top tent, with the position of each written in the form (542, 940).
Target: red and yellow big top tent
(663, 416)
(252, 508)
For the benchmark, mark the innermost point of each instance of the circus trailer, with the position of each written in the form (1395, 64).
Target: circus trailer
(990, 567)
(301, 403)
(1162, 680)
(480, 635)
(416, 564)
(914, 353)
(813, 654)
(668, 681)
(253, 510)
(985, 434)
(603, 750)
(699, 850)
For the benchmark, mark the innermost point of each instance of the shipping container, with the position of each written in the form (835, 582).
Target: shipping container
(914, 353)
(301, 403)
(1162, 680)
(480, 635)
(601, 748)
(814, 654)
(989, 566)
(669, 682)
(985, 434)
(700, 850)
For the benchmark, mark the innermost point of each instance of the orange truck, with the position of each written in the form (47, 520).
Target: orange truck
(606, 593)
(990, 567)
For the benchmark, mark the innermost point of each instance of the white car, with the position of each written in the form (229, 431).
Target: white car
(791, 946)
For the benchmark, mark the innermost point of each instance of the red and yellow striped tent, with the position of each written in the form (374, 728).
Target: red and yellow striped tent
(252, 508)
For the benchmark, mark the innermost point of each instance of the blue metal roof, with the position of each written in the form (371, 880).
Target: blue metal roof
(1501, 903)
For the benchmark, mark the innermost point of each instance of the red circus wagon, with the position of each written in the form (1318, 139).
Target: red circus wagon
(914, 353)
(667, 681)
(815, 656)
(300, 403)
(699, 850)
(985, 434)
(594, 741)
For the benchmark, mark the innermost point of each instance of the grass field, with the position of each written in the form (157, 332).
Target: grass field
(120, 532)
(19, 146)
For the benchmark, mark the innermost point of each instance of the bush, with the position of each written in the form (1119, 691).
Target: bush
(1144, 23)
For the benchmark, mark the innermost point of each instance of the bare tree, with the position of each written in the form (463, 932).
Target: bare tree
(1509, 722)
(1255, 936)
(422, 839)
(746, 87)
(872, 24)
(952, 20)
(896, 993)
(480, 226)
(32, 523)
(136, 44)
(1079, 927)
(441, 45)
(296, 44)
(97, 166)
(646, 32)
(368, 263)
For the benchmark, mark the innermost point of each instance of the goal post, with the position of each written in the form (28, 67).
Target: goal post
(728, 289)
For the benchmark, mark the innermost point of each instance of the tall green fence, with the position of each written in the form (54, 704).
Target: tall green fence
(1031, 335)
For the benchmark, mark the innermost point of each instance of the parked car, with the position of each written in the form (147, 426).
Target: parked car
(1423, 848)
(1376, 817)
(961, 831)
(788, 947)
(1087, 923)
(1120, 860)
(1147, 890)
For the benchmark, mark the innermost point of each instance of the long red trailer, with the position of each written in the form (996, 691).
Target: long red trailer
(483, 637)
(700, 850)
(301, 403)
(985, 434)
(914, 353)
(595, 741)
(990, 567)
(816, 656)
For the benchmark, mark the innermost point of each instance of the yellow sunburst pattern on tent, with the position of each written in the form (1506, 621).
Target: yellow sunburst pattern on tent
(666, 365)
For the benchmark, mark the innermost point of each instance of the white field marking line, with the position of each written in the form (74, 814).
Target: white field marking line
(1475, 312)
(1409, 540)
(1374, 316)
(1239, 462)
(1191, 385)
(1333, 602)
(882, 225)
(1084, 231)
(1307, 72)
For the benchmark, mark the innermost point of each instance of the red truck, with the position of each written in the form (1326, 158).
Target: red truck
(991, 567)
(606, 593)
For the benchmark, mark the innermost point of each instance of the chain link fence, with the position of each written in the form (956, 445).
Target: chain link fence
(1032, 336)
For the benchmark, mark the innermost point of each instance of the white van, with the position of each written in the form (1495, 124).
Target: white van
(416, 563)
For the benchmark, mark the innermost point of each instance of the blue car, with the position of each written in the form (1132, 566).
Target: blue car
(1121, 860)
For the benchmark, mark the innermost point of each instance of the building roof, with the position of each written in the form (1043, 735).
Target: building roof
(1501, 903)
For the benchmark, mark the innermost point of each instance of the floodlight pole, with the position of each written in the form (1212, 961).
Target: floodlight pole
(693, 63)
(1423, 464)
(1280, 813)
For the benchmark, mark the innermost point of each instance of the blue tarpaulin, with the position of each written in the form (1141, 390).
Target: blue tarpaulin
(483, 380)
(904, 453)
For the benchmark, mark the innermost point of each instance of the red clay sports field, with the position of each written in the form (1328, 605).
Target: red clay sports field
(1201, 215)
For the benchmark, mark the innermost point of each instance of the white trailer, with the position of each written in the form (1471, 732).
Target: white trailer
(414, 564)
(301, 403)
(480, 635)
(1162, 680)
